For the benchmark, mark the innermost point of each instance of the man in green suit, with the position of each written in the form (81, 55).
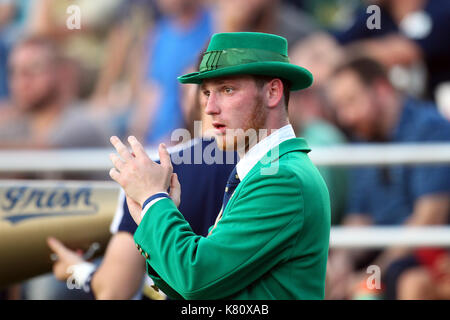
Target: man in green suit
(270, 240)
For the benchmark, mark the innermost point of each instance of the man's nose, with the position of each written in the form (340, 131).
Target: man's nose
(211, 105)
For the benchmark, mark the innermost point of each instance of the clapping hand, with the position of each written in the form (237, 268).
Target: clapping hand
(141, 177)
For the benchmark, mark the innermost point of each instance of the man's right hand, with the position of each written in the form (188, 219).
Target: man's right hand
(66, 258)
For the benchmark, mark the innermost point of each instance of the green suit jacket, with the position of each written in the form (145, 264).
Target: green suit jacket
(271, 242)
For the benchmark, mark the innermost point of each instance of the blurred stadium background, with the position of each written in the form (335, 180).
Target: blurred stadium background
(65, 91)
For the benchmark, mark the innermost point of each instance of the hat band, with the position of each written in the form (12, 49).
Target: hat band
(217, 59)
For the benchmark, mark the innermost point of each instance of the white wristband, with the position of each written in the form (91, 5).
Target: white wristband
(151, 203)
(79, 274)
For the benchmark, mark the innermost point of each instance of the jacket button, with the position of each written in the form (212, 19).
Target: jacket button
(155, 288)
(146, 255)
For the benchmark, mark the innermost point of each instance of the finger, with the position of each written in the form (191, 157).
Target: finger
(174, 182)
(164, 156)
(117, 162)
(57, 246)
(137, 147)
(115, 175)
(175, 188)
(121, 148)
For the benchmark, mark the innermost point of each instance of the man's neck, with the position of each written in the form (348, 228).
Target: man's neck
(277, 123)
(391, 117)
(261, 134)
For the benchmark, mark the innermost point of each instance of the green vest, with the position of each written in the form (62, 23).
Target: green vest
(271, 242)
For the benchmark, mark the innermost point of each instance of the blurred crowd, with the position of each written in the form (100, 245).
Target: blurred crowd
(379, 76)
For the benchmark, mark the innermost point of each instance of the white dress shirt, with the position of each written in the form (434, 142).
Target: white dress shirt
(259, 150)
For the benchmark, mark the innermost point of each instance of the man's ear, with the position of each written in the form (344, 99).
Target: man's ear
(274, 93)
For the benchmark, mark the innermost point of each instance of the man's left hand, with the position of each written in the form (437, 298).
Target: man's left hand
(66, 258)
(140, 176)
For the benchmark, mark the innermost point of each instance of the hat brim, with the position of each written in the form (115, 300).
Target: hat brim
(299, 77)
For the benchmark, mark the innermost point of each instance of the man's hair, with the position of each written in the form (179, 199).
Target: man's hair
(367, 69)
(42, 42)
(262, 80)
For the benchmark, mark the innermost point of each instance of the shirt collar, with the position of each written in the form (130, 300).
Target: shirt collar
(248, 161)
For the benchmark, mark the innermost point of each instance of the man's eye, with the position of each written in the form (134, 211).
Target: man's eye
(206, 93)
(228, 90)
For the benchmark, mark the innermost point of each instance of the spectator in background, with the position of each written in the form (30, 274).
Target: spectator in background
(410, 31)
(13, 21)
(88, 46)
(3, 71)
(118, 88)
(124, 45)
(173, 46)
(371, 110)
(108, 48)
(14, 18)
(311, 115)
(7, 10)
(41, 111)
(268, 16)
(329, 14)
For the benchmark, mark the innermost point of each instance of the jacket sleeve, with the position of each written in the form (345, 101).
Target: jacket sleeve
(262, 220)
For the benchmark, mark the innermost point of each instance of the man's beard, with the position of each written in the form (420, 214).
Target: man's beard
(376, 133)
(256, 122)
(42, 102)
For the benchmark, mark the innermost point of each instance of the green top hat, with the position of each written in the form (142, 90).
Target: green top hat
(249, 53)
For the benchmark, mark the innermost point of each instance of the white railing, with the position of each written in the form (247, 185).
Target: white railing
(88, 160)
(379, 237)
(340, 237)
(381, 154)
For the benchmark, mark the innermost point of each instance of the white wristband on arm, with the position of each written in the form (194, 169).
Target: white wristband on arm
(80, 276)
